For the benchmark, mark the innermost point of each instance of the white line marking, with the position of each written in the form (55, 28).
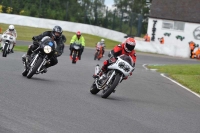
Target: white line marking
(162, 74)
(144, 65)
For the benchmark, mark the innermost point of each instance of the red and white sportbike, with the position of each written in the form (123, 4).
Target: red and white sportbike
(116, 72)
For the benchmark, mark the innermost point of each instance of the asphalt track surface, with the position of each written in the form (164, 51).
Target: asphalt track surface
(60, 102)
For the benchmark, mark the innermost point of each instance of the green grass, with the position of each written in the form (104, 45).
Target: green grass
(21, 48)
(187, 75)
(26, 33)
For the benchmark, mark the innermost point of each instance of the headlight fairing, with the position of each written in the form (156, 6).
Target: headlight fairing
(76, 47)
(126, 68)
(47, 49)
(121, 65)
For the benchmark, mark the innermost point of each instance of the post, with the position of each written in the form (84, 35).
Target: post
(40, 8)
(139, 27)
(121, 21)
(131, 23)
(113, 25)
(85, 6)
(66, 10)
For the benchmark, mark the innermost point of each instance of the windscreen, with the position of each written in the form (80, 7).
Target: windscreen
(127, 59)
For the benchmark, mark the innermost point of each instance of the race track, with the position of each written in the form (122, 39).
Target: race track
(60, 102)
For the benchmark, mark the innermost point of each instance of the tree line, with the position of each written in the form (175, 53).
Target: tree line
(127, 16)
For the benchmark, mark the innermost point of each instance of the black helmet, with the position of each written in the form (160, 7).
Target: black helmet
(57, 29)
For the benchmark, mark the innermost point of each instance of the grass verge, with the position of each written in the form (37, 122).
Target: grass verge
(21, 48)
(187, 75)
(26, 33)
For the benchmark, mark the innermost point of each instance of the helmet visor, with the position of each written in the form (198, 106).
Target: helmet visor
(130, 47)
(57, 34)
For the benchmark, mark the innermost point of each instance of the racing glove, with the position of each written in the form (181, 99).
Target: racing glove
(34, 38)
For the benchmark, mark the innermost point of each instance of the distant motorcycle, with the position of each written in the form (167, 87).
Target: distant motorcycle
(99, 52)
(116, 72)
(39, 58)
(76, 49)
(7, 43)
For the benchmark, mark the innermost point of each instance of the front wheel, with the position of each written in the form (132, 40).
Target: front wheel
(95, 55)
(34, 68)
(5, 50)
(111, 88)
(74, 57)
(93, 89)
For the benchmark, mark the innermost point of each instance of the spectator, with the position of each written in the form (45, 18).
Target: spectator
(162, 41)
(147, 38)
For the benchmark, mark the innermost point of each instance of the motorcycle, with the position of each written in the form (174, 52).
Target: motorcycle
(39, 58)
(76, 49)
(7, 43)
(117, 71)
(99, 52)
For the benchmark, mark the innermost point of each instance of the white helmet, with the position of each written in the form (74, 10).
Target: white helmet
(102, 40)
(11, 28)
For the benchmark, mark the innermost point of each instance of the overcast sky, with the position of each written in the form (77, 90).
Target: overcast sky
(109, 3)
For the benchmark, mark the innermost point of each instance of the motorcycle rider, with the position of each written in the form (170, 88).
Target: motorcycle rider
(126, 48)
(102, 43)
(64, 39)
(11, 30)
(56, 35)
(77, 38)
(192, 46)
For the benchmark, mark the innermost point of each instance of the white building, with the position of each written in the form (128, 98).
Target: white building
(178, 21)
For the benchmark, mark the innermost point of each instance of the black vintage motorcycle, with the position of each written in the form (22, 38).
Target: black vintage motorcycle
(76, 49)
(39, 58)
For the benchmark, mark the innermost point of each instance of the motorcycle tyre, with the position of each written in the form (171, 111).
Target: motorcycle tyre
(95, 56)
(5, 50)
(35, 67)
(25, 72)
(93, 89)
(108, 91)
(74, 58)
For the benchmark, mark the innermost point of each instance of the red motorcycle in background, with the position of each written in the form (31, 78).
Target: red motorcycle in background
(76, 47)
(99, 52)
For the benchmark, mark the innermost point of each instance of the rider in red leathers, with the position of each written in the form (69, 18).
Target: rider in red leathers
(126, 48)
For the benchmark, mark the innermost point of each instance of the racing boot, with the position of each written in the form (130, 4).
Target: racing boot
(11, 51)
(44, 68)
(28, 58)
(100, 73)
(103, 69)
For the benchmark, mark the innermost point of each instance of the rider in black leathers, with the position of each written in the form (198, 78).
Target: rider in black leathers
(57, 36)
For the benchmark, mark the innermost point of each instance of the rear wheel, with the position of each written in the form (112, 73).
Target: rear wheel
(5, 50)
(25, 72)
(93, 89)
(111, 88)
(34, 68)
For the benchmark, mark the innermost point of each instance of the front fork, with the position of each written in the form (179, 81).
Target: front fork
(43, 63)
(100, 87)
(34, 61)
